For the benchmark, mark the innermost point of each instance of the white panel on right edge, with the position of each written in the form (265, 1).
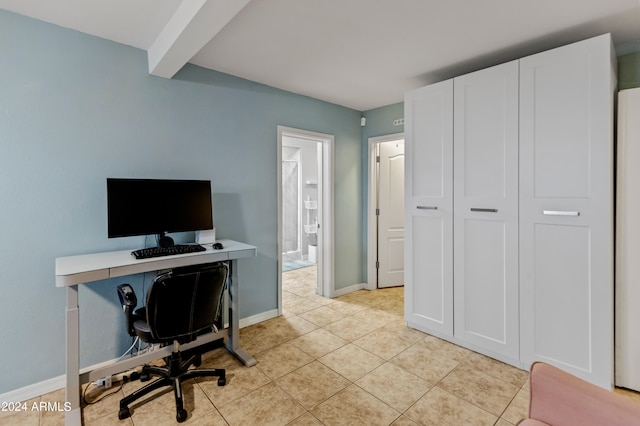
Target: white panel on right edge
(566, 208)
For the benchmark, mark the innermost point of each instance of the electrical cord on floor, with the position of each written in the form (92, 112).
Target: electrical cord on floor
(84, 394)
(134, 376)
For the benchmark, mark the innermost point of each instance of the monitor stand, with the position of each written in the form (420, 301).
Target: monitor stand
(164, 241)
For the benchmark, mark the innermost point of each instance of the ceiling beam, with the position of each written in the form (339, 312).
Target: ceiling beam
(191, 27)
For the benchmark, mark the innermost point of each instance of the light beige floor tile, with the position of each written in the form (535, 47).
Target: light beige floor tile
(161, 408)
(351, 361)
(425, 363)
(301, 306)
(240, 381)
(212, 418)
(447, 349)
(319, 342)
(107, 404)
(387, 343)
(348, 307)
(282, 360)
(404, 421)
(350, 328)
(53, 414)
(394, 386)
(518, 409)
(312, 384)
(323, 315)
(375, 316)
(290, 328)
(487, 392)
(441, 408)
(319, 299)
(110, 419)
(368, 297)
(20, 413)
(306, 419)
(503, 422)
(392, 306)
(302, 290)
(497, 369)
(268, 405)
(631, 394)
(278, 330)
(354, 406)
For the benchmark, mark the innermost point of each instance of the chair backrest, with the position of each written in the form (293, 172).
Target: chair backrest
(185, 301)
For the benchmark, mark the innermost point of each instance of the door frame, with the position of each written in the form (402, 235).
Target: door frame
(325, 277)
(372, 220)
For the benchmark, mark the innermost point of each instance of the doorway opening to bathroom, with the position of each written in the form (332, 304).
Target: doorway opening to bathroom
(305, 210)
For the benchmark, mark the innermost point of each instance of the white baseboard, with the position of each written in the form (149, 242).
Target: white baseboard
(347, 290)
(32, 391)
(255, 319)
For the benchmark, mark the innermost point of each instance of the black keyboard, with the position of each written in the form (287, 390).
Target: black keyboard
(146, 253)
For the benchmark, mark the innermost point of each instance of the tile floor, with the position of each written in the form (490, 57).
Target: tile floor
(344, 361)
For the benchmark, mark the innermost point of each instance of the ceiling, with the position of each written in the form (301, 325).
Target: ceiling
(361, 54)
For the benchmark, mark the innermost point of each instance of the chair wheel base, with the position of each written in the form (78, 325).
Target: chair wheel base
(124, 413)
(181, 416)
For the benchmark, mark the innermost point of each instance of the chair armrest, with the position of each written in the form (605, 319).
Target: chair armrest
(559, 398)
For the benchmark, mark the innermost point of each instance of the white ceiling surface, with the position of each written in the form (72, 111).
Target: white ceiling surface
(362, 54)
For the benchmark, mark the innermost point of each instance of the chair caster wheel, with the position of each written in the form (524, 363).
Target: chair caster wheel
(124, 413)
(198, 361)
(181, 416)
(222, 381)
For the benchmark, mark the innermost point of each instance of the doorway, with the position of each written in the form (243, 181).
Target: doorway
(305, 206)
(385, 263)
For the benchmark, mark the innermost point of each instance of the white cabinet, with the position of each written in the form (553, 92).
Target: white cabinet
(429, 208)
(486, 209)
(566, 208)
(509, 225)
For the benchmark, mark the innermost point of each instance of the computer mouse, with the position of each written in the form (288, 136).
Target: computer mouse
(217, 246)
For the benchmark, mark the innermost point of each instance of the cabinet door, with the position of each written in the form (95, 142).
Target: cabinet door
(485, 203)
(566, 209)
(428, 208)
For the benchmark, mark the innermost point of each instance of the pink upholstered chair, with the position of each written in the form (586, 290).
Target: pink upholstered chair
(561, 399)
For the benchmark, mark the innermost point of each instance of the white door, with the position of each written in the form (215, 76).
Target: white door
(429, 208)
(566, 208)
(486, 209)
(391, 214)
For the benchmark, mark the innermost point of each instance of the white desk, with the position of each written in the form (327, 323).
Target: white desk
(72, 271)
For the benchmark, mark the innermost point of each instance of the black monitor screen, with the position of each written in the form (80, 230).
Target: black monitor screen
(156, 206)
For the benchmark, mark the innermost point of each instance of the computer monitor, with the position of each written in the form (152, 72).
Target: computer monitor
(157, 206)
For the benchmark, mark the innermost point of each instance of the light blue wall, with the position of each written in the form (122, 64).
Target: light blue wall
(74, 110)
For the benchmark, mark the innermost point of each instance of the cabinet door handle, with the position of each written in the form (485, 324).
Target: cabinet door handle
(478, 209)
(560, 213)
(427, 207)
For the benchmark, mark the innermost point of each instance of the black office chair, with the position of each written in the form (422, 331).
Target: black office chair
(180, 304)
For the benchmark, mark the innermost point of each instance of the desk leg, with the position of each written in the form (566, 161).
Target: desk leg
(233, 343)
(74, 416)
